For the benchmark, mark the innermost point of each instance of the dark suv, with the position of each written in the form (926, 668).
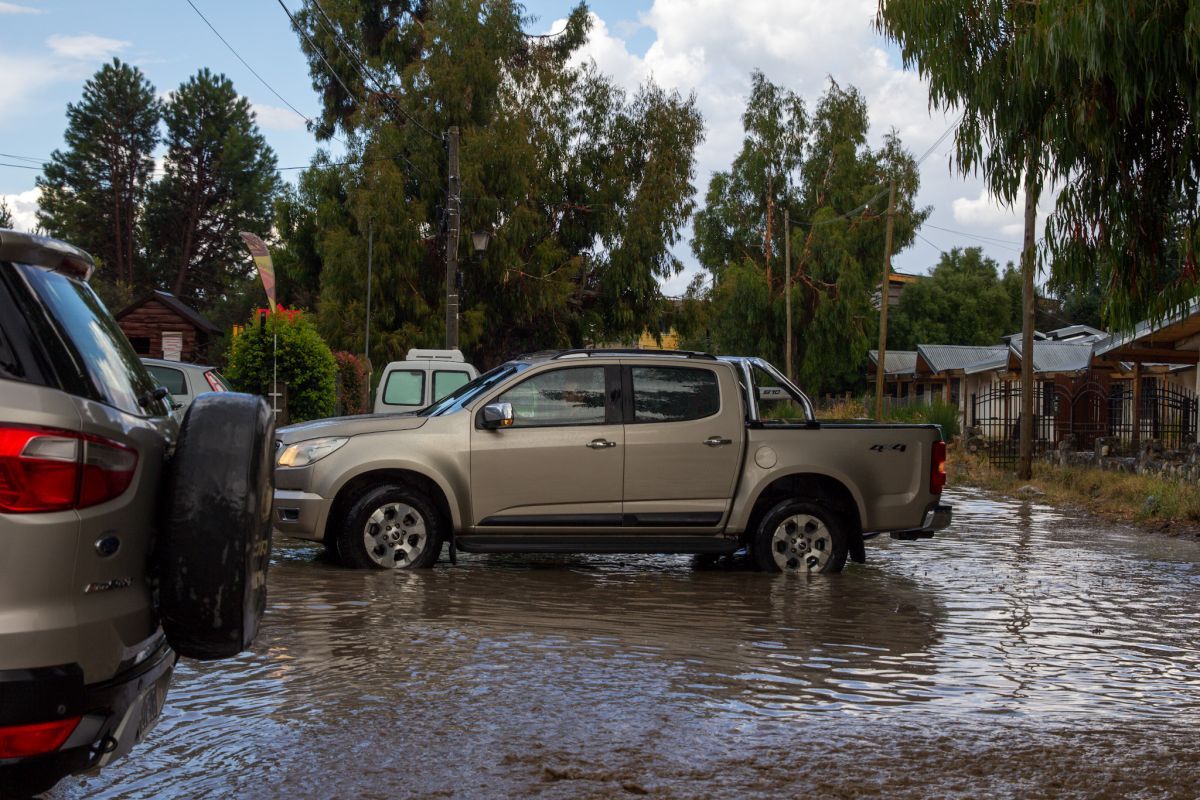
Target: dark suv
(106, 504)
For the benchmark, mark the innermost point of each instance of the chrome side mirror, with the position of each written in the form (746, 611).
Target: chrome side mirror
(497, 415)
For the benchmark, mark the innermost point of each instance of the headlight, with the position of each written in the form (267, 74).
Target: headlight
(301, 454)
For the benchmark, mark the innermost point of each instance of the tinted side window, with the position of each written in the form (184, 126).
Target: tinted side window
(674, 394)
(404, 388)
(445, 382)
(173, 379)
(106, 354)
(573, 396)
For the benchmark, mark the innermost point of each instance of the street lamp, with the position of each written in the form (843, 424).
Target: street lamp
(479, 240)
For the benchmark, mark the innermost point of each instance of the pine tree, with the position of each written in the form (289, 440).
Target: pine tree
(6, 217)
(92, 191)
(220, 179)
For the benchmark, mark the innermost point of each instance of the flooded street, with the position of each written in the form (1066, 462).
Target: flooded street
(1024, 652)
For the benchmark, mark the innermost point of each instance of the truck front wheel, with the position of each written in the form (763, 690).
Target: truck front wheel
(800, 536)
(390, 527)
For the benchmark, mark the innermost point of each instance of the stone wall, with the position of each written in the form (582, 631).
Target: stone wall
(1152, 458)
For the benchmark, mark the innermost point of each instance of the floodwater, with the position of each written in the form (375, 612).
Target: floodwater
(1026, 652)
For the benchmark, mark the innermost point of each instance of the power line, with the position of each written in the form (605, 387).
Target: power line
(21, 166)
(366, 74)
(353, 98)
(931, 244)
(246, 64)
(23, 158)
(982, 238)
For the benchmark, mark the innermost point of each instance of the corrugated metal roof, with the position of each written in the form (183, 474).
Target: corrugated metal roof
(1146, 329)
(897, 362)
(1058, 356)
(999, 361)
(943, 357)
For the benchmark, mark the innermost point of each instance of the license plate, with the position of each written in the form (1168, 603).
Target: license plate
(153, 701)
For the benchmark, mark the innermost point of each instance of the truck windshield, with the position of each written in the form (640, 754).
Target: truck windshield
(469, 391)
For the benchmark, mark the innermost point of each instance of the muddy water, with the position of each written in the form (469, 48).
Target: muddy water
(1026, 652)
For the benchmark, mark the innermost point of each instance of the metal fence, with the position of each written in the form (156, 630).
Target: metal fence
(1084, 411)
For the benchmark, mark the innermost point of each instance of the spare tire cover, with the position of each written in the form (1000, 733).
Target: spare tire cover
(215, 534)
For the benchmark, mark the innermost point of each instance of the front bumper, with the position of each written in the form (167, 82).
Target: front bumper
(115, 714)
(937, 518)
(299, 514)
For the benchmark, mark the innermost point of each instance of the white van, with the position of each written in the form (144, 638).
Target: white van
(423, 377)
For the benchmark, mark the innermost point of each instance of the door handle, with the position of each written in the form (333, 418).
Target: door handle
(600, 444)
(717, 441)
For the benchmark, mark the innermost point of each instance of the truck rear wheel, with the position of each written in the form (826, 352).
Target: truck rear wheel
(800, 536)
(390, 527)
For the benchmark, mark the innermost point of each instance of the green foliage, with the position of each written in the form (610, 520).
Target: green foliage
(220, 179)
(584, 188)
(936, 413)
(820, 168)
(963, 301)
(92, 191)
(305, 364)
(1101, 97)
(6, 217)
(352, 382)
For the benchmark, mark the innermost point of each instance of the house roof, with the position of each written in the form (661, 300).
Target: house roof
(1077, 333)
(896, 362)
(1158, 341)
(175, 304)
(1054, 356)
(936, 358)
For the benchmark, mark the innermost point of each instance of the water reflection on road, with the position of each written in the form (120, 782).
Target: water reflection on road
(1024, 652)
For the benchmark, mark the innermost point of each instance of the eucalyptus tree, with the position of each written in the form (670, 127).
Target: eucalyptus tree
(93, 189)
(975, 55)
(581, 187)
(820, 168)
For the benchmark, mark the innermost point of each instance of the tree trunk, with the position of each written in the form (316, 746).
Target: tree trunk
(1028, 266)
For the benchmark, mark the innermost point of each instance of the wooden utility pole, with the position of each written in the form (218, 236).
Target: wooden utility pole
(787, 293)
(367, 331)
(453, 220)
(885, 291)
(1137, 406)
(1028, 264)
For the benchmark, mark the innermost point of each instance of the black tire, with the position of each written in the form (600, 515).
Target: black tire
(815, 543)
(331, 550)
(406, 532)
(215, 539)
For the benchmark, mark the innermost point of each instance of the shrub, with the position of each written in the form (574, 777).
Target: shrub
(305, 362)
(352, 384)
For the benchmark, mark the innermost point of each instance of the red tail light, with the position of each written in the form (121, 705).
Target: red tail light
(18, 741)
(46, 469)
(937, 468)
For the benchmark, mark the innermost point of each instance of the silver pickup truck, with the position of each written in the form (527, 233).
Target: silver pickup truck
(610, 451)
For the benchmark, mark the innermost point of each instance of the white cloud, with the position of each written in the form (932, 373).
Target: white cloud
(710, 47)
(86, 47)
(24, 208)
(13, 8)
(277, 118)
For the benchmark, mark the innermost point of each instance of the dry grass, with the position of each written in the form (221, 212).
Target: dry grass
(1113, 495)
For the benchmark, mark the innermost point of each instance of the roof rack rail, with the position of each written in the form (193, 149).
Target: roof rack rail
(632, 351)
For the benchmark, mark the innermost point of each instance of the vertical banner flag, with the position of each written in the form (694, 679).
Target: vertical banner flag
(262, 259)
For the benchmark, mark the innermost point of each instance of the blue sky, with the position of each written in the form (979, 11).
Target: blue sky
(48, 48)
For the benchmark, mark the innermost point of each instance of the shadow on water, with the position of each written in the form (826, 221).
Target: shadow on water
(1024, 652)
